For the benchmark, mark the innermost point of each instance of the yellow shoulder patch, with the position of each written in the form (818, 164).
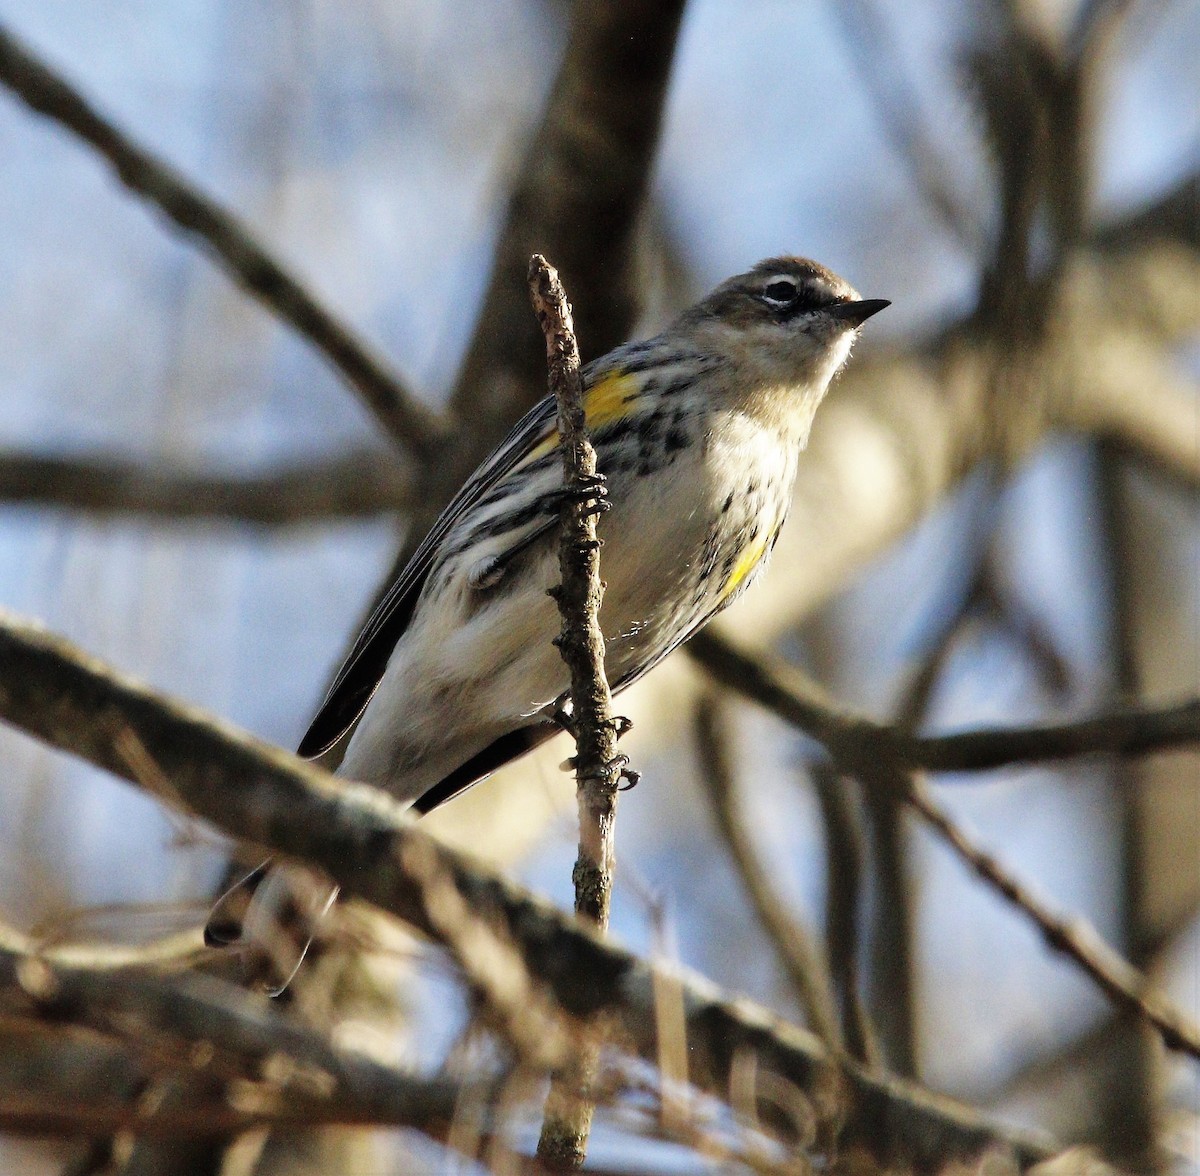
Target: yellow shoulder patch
(602, 403)
(606, 401)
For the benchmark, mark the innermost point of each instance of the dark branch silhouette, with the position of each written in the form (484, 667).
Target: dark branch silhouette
(356, 485)
(360, 838)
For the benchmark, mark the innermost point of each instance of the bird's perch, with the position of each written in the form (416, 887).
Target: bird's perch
(598, 766)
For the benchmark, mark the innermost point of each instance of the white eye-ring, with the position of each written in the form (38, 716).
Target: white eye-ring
(779, 291)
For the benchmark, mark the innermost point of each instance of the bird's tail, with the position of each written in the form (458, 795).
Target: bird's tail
(272, 916)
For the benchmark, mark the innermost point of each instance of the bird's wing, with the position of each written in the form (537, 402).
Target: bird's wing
(360, 674)
(514, 744)
(508, 747)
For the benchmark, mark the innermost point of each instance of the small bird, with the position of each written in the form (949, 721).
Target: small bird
(698, 432)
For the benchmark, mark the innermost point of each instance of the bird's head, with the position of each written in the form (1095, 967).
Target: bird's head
(788, 323)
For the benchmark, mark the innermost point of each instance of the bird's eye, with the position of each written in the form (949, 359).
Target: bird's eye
(780, 292)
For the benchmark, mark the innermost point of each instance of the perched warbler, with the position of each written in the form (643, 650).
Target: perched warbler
(698, 432)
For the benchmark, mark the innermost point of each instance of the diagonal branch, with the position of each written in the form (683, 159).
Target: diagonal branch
(1125, 985)
(356, 485)
(359, 837)
(231, 244)
(885, 760)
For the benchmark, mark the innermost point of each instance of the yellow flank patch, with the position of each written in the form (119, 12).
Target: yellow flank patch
(602, 403)
(748, 561)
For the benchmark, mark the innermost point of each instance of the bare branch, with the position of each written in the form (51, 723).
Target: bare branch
(598, 768)
(230, 243)
(356, 485)
(802, 961)
(175, 1018)
(884, 759)
(359, 836)
(856, 740)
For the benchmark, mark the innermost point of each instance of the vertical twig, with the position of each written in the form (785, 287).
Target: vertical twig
(845, 841)
(802, 960)
(1127, 1117)
(598, 767)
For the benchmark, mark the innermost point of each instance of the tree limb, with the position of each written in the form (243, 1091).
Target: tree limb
(358, 836)
(856, 740)
(578, 199)
(404, 418)
(357, 485)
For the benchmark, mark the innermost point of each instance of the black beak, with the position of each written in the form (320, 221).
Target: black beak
(857, 313)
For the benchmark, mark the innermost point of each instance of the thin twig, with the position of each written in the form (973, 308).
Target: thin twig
(850, 737)
(357, 835)
(1124, 984)
(598, 767)
(525, 1018)
(404, 418)
(801, 959)
(876, 757)
(356, 485)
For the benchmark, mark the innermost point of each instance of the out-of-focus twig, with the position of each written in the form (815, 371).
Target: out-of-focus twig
(845, 851)
(1172, 217)
(854, 739)
(404, 418)
(801, 959)
(598, 767)
(353, 486)
(1129, 1128)
(206, 1026)
(358, 835)
(897, 111)
(881, 764)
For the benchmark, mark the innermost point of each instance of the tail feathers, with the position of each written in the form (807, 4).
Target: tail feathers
(272, 914)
